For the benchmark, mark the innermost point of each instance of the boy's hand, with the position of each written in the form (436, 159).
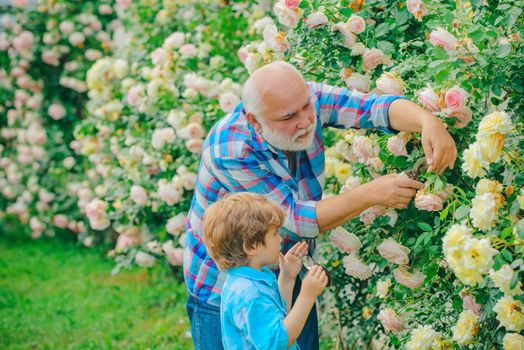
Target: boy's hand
(291, 263)
(315, 282)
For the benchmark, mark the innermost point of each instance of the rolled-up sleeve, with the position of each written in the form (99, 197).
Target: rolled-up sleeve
(246, 175)
(341, 108)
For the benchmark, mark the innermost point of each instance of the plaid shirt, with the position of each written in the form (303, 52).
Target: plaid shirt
(237, 159)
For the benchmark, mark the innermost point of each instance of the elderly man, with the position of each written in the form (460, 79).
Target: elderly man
(272, 144)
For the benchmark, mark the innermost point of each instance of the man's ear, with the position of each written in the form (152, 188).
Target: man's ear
(254, 122)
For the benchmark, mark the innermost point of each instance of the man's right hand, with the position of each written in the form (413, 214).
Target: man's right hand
(315, 282)
(394, 190)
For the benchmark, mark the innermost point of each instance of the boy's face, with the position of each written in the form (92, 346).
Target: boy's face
(270, 251)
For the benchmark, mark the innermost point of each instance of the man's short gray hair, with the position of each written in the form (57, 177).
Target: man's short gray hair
(251, 91)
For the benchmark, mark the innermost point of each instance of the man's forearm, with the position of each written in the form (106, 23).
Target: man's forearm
(407, 116)
(337, 210)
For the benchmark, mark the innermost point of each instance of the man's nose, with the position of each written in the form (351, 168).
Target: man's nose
(305, 120)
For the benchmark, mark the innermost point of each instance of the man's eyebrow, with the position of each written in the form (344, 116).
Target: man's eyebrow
(290, 114)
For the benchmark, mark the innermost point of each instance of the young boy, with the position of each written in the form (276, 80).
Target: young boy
(241, 235)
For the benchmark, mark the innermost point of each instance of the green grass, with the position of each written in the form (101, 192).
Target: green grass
(55, 294)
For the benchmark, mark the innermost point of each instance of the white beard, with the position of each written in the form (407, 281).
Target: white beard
(284, 143)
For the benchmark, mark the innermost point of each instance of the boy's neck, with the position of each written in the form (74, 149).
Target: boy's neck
(255, 264)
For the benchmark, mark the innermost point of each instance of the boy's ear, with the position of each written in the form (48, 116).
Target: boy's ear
(250, 251)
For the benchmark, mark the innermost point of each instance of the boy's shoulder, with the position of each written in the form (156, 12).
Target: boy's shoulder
(242, 285)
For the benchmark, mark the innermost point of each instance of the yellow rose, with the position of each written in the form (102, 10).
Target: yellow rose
(496, 122)
(475, 163)
(466, 327)
(510, 313)
(486, 185)
(422, 338)
(484, 211)
(513, 341)
(491, 146)
(342, 171)
(502, 279)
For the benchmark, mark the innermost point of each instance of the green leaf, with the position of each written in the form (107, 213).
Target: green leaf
(506, 232)
(382, 29)
(444, 213)
(401, 162)
(461, 212)
(514, 280)
(503, 51)
(439, 53)
(507, 255)
(425, 227)
(386, 47)
(498, 262)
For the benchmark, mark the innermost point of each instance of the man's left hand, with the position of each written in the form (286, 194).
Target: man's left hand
(439, 147)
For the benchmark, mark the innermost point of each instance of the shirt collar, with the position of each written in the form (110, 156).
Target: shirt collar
(265, 275)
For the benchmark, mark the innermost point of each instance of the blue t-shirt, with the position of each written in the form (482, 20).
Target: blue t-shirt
(252, 311)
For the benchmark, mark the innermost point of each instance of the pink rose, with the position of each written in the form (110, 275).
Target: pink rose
(145, 259)
(390, 320)
(96, 213)
(77, 39)
(410, 280)
(23, 42)
(356, 24)
(133, 95)
(36, 225)
(397, 146)
(355, 268)
(228, 101)
(138, 195)
(429, 99)
(316, 19)
(123, 241)
(60, 221)
(123, 3)
(369, 215)
(195, 131)
(174, 41)
(456, 98)
(66, 27)
(56, 111)
(345, 241)
(349, 38)
(169, 193)
(242, 54)
(362, 148)
(358, 82)
(174, 255)
(177, 224)
(441, 37)
(416, 8)
(391, 84)
(188, 50)
(194, 145)
(292, 4)
(372, 58)
(463, 115)
(394, 252)
(159, 56)
(428, 201)
(19, 3)
(286, 16)
(469, 303)
(51, 58)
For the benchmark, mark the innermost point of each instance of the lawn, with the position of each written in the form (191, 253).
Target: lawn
(55, 294)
